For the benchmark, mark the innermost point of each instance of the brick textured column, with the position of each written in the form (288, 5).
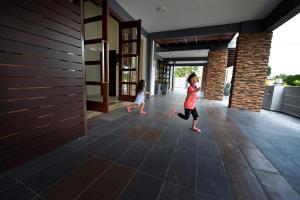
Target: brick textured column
(250, 71)
(214, 83)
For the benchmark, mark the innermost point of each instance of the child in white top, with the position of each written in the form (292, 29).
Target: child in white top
(140, 97)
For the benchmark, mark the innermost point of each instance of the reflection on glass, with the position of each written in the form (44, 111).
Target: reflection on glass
(129, 34)
(125, 89)
(125, 76)
(133, 76)
(92, 52)
(91, 10)
(93, 92)
(129, 48)
(129, 62)
(93, 30)
(133, 90)
(93, 73)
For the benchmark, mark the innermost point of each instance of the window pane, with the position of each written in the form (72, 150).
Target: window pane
(91, 10)
(92, 52)
(133, 76)
(129, 48)
(92, 73)
(93, 30)
(125, 89)
(125, 76)
(129, 34)
(133, 90)
(130, 62)
(94, 93)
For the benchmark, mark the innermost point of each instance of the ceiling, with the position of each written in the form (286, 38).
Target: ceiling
(195, 13)
(180, 54)
(226, 37)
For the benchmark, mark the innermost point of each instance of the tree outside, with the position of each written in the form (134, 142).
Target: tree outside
(181, 72)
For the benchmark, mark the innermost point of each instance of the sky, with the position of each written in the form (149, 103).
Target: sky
(285, 50)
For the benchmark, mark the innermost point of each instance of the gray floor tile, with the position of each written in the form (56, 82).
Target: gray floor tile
(6, 181)
(134, 157)
(188, 143)
(142, 187)
(294, 182)
(182, 170)
(171, 191)
(116, 149)
(276, 186)
(41, 180)
(208, 148)
(30, 168)
(98, 145)
(201, 196)
(157, 161)
(17, 192)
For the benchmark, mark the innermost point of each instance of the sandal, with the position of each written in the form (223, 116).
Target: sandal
(196, 130)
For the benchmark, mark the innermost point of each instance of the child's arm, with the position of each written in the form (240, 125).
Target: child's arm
(146, 92)
(196, 90)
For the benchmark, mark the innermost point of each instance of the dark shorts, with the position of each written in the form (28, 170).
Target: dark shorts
(188, 112)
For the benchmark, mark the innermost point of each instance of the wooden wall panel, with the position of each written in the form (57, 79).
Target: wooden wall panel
(42, 81)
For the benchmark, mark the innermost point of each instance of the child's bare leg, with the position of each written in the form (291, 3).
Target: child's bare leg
(132, 106)
(142, 108)
(194, 127)
(194, 124)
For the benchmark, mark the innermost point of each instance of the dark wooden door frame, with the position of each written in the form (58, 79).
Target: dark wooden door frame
(104, 60)
(122, 26)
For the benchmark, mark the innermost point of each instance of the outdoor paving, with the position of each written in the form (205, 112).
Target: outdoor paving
(238, 155)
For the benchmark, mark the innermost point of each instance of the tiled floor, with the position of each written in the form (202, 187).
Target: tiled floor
(238, 155)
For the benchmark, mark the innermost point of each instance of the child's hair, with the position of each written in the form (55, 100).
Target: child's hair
(140, 86)
(192, 75)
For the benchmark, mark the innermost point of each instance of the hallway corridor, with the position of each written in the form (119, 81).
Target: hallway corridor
(238, 155)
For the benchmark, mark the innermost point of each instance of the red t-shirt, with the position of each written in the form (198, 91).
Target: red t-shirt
(191, 98)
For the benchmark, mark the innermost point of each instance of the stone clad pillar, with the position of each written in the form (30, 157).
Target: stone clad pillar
(250, 71)
(215, 79)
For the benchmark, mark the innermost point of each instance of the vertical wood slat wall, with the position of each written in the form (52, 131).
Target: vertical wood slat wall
(42, 98)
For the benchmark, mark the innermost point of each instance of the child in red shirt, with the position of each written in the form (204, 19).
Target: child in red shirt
(190, 102)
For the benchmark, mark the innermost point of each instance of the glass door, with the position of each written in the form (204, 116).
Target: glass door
(129, 50)
(95, 54)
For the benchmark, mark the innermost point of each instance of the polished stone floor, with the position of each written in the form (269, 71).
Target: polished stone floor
(238, 155)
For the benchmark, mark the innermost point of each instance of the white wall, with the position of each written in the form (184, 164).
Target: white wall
(113, 34)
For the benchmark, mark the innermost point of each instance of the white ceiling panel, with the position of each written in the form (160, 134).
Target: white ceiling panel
(181, 14)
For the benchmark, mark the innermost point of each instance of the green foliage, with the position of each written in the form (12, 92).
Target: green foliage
(269, 71)
(291, 80)
(185, 71)
(296, 82)
(282, 76)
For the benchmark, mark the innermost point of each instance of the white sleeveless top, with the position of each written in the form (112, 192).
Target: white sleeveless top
(140, 98)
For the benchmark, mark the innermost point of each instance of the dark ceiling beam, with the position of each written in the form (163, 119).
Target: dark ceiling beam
(228, 28)
(281, 14)
(247, 26)
(187, 59)
(190, 64)
(199, 46)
